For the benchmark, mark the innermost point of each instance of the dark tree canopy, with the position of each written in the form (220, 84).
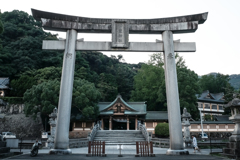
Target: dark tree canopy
(1, 24)
(149, 85)
(215, 83)
(22, 45)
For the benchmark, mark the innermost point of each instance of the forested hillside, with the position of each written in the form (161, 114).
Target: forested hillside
(235, 81)
(22, 58)
(35, 74)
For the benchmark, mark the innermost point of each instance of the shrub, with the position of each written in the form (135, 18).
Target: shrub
(162, 130)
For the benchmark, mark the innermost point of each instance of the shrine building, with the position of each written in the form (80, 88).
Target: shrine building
(122, 115)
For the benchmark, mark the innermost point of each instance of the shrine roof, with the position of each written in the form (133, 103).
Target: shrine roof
(222, 117)
(136, 107)
(211, 122)
(107, 112)
(4, 82)
(206, 96)
(156, 115)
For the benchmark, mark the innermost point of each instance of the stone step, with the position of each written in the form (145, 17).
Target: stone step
(137, 136)
(119, 131)
(119, 136)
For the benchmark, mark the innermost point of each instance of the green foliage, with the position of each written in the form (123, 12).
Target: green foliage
(44, 98)
(215, 83)
(22, 45)
(41, 98)
(188, 88)
(13, 100)
(149, 85)
(20, 85)
(85, 99)
(1, 24)
(207, 117)
(108, 74)
(235, 81)
(162, 130)
(33, 77)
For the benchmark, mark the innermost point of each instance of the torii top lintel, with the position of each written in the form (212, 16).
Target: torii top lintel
(61, 22)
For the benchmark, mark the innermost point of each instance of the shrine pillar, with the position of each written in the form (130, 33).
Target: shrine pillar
(136, 123)
(102, 124)
(61, 142)
(127, 123)
(173, 105)
(110, 123)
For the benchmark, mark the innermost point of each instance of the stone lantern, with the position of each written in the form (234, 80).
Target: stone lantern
(233, 147)
(186, 132)
(53, 124)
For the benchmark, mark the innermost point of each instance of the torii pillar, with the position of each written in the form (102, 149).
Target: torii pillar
(120, 29)
(173, 105)
(61, 142)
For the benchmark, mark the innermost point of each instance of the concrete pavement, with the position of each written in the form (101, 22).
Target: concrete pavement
(128, 152)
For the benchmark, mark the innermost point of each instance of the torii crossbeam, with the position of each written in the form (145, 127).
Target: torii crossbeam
(120, 30)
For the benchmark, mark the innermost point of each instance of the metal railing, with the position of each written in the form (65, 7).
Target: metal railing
(96, 148)
(144, 149)
(94, 132)
(145, 133)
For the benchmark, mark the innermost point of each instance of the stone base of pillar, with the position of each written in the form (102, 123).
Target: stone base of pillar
(234, 138)
(60, 151)
(177, 152)
(232, 150)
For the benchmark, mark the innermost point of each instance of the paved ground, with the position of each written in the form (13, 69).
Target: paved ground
(128, 152)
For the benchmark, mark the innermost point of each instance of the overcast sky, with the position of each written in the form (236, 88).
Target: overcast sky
(217, 40)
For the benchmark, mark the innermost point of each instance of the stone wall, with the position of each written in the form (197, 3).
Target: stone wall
(12, 109)
(79, 134)
(21, 125)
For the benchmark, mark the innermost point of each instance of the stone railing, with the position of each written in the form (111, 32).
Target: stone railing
(142, 128)
(94, 132)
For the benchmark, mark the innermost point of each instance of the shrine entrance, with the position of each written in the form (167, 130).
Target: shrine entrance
(120, 30)
(119, 124)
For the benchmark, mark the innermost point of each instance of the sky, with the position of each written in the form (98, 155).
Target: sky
(216, 40)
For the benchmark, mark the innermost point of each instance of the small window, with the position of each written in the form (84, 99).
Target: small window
(220, 107)
(207, 106)
(149, 124)
(214, 106)
(88, 124)
(78, 124)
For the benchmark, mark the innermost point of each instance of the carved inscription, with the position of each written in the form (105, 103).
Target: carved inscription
(170, 55)
(120, 32)
(69, 55)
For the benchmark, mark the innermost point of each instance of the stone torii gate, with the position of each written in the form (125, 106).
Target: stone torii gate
(120, 30)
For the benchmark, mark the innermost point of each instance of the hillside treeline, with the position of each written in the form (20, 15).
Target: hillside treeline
(35, 73)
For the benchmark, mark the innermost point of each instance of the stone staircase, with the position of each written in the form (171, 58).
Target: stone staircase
(119, 136)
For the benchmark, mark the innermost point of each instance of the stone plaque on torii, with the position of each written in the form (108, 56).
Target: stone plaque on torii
(120, 30)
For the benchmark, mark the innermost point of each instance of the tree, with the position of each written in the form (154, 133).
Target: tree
(149, 85)
(188, 88)
(207, 117)
(22, 45)
(1, 30)
(85, 99)
(162, 130)
(215, 83)
(44, 98)
(1, 24)
(41, 98)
